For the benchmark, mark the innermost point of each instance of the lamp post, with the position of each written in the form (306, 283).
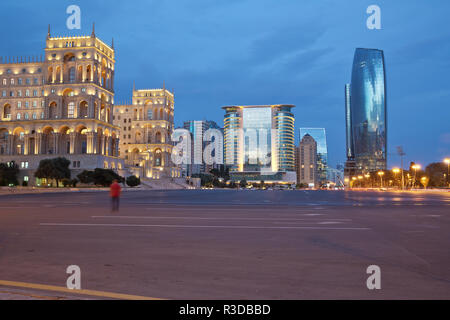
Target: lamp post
(415, 167)
(381, 174)
(360, 178)
(367, 175)
(395, 171)
(447, 161)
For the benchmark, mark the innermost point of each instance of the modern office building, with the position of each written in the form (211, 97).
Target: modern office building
(320, 136)
(366, 112)
(197, 129)
(259, 143)
(307, 172)
(146, 126)
(60, 106)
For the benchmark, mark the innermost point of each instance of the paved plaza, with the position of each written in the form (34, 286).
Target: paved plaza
(213, 244)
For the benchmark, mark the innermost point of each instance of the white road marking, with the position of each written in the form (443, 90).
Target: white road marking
(189, 226)
(212, 218)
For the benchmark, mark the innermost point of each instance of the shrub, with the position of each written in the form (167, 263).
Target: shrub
(133, 181)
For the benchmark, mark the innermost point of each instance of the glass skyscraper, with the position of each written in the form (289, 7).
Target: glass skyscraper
(259, 143)
(320, 136)
(368, 110)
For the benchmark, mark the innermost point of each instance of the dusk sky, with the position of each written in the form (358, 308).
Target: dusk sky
(217, 53)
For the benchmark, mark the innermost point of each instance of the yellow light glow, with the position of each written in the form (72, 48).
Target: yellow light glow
(396, 170)
(381, 173)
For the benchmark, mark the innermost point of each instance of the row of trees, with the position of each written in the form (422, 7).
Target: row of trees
(57, 170)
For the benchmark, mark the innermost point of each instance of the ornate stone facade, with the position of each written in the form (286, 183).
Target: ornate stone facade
(146, 127)
(61, 105)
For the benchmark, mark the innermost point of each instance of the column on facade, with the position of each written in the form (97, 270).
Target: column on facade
(26, 142)
(11, 144)
(38, 143)
(57, 142)
(62, 74)
(102, 144)
(73, 139)
(83, 73)
(91, 138)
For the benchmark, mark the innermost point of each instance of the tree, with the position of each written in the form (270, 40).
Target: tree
(133, 181)
(437, 172)
(105, 177)
(86, 177)
(56, 169)
(8, 174)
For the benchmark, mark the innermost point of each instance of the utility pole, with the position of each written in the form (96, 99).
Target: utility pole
(401, 154)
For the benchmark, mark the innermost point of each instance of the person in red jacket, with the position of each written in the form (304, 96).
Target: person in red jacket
(115, 190)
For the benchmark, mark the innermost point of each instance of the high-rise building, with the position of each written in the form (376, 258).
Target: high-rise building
(366, 109)
(307, 161)
(146, 126)
(60, 106)
(259, 143)
(197, 129)
(320, 136)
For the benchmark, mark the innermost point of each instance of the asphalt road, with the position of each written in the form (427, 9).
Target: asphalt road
(194, 244)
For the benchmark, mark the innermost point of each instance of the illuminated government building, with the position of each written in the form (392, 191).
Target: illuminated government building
(146, 126)
(61, 105)
(259, 143)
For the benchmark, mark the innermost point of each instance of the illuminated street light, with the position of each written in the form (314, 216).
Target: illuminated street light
(424, 181)
(381, 174)
(415, 167)
(395, 171)
(447, 161)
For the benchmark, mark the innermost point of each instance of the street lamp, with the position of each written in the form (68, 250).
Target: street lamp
(447, 161)
(415, 167)
(367, 175)
(381, 174)
(360, 181)
(395, 171)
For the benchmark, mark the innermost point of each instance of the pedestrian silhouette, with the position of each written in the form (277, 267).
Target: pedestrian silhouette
(115, 190)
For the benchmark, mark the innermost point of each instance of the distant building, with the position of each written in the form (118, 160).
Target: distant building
(320, 136)
(197, 129)
(259, 143)
(307, 162)
(336, 176)
(366, 112)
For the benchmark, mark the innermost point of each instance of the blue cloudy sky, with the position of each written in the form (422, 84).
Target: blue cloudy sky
(223, 52)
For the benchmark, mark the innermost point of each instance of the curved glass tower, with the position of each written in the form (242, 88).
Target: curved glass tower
(368, 110)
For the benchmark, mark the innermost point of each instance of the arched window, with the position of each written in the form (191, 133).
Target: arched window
(71, 110)
(19, 116)
(83, 109)
(72, 74)
(158, 158)
(161, 114)
(7, 112)
(27, 116)
(52, 111)
(149, 114)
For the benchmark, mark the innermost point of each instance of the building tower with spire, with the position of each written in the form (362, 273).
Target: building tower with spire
(60, 106)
